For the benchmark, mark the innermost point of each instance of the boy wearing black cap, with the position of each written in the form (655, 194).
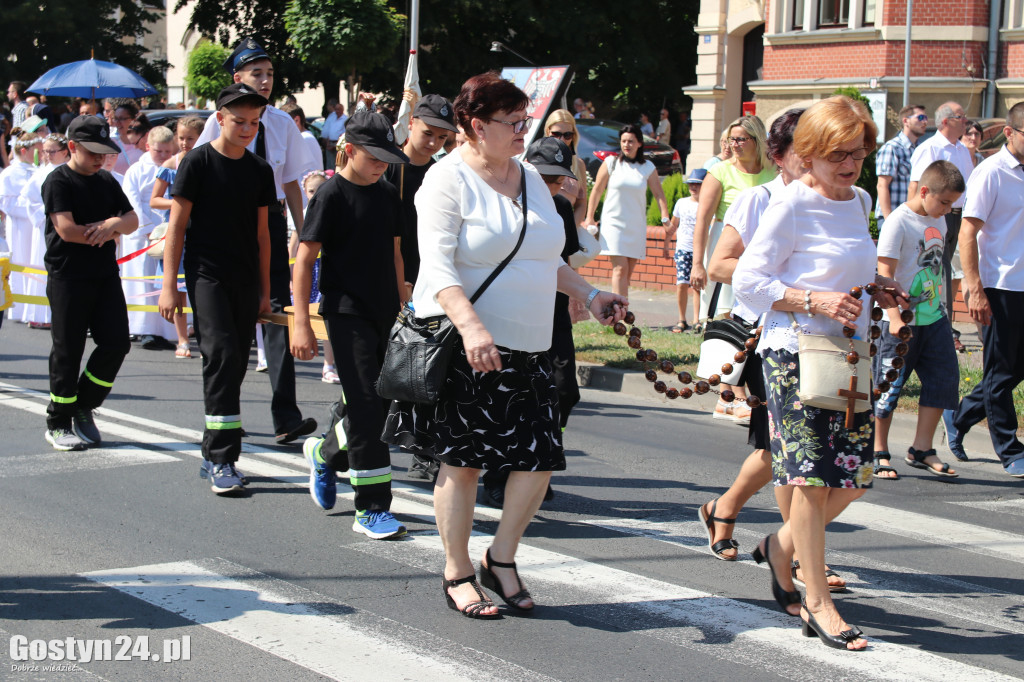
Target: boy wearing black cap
(280, 144)
(433, 122)
(224, 189)
(355, 223)
(85, 209)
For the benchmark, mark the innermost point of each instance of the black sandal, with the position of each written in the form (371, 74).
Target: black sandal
(472, 609)
(917, 459)
(884, 467)
(490, 581)
(718, 547)
(810, 628)
(782, 597)
(829, 573)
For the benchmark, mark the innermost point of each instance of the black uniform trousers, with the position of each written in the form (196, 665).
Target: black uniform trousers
(953, 219)
(1003, 370)
(354, 442)
(79, 306)
(225, 319)
(280, 363)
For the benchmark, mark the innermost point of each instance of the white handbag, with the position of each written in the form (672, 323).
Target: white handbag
(590, 247)
(156, 237)
(825, 374)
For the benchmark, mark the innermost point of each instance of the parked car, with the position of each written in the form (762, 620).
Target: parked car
(599, 139)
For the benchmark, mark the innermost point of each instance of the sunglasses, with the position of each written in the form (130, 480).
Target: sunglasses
(919, 117)
(517, 126)
(568, 135)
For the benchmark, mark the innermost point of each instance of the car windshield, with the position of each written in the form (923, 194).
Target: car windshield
(603, 135)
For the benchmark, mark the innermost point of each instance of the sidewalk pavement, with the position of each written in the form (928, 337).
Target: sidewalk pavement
(655, 308)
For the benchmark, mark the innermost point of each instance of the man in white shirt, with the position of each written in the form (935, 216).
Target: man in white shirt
(992, 257)
(945, 145)
(664, 132)
(281, 145)
(334, 127)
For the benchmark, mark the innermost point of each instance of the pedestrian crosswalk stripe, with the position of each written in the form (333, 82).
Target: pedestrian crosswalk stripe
(302, 626)
(1014, 507)
(50, 463)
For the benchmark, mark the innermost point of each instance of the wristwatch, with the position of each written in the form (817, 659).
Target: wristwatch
(592, 296)
(664, 220)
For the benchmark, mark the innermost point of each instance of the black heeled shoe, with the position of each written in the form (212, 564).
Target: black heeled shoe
(490, 581)
(473, 609)
(782, 597)
(811, 628)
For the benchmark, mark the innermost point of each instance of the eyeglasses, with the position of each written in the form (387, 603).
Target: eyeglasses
(517, 126)
(1016, 130)
(958, 117)
(838, 156)
(919, 117)
(567, 135)
(740, 140)
(50, 152)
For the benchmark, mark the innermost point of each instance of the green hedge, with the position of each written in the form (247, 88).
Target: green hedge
(674, 189)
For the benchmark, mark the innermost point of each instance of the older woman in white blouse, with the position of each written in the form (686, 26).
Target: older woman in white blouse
(499, 407)
(812, 246)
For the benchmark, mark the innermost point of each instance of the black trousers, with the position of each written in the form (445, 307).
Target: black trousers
(79, 306)
(949, 246)
(1003, 370)
(280, 364)
(354, 441)
(225, 320)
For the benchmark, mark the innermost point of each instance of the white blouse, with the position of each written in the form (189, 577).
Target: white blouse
(806, 242)
(466, 229)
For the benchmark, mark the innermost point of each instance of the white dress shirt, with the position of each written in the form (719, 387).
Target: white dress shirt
(938, 148)
(994, 196)
(334, 127)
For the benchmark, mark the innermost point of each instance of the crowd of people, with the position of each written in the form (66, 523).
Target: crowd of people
(449, 222)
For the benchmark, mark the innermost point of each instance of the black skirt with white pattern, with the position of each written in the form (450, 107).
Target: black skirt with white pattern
(498, 421)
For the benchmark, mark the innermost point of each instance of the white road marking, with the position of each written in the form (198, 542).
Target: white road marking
(1014, 507)
(47, 463)
(303, 627)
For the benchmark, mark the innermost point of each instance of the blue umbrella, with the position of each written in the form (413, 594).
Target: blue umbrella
(91, 79)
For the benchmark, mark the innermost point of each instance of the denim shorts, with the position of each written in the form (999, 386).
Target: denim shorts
(931, 355)
(684, 262)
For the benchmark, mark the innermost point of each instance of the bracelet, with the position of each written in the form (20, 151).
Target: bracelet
(591, 297)
(807, 303)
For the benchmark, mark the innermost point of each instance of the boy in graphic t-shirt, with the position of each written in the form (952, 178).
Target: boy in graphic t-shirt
(910, 251)
(85, 211)
(225, 190)
(684, 219)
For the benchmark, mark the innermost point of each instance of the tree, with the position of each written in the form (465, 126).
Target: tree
(867, 181)
(334, 34)
(42, 35)
(206, 76)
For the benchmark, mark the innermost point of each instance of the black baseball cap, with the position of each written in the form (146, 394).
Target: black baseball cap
(373, 131)
(248, 50)
(551, 156)
(436, 111)
(93, 134)
(240, 91)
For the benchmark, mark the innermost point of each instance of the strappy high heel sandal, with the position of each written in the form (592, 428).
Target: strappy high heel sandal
(810, 628)
(473, 609)
(782, 597)
(717, 548)
(490, 581)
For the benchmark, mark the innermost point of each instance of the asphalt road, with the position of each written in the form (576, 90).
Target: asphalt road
(125, 547)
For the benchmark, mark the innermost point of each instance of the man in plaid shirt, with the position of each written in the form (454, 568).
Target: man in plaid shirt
(892, 164)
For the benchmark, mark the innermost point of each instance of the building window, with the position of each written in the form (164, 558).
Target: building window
(833, 13)
(798, 15)
(869, 13)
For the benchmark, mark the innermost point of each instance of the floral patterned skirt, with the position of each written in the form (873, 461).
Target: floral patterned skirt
(812, 446)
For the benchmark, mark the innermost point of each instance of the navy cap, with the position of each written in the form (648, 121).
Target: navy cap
(93, 134)
(240, 91)
(373, 132)
(246, 51)
(550, 156)
(697, 176)
(436, 111)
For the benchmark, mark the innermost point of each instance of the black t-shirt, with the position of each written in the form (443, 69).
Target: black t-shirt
(572, 244)
(356, 227)
(89, 199)
(407, 178)
(222, 238)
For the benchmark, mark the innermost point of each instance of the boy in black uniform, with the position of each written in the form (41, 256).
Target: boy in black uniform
(85, 210)
(355, 223)
(225, 190)
(433, 121)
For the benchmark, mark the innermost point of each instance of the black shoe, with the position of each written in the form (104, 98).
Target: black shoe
(424, 468)
(490, 581)
(550, 494)
(474, 608)
(782, 597)
(303, 428)
(810, 628)
(494, 495)
(157, 343)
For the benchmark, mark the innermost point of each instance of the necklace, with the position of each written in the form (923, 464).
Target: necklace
(508, 172)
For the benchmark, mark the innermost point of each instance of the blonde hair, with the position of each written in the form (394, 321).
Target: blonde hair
(159, 135)
(562, 116)
(723, 140)
(831, 123)
(193, 123)
(341, 158)
(754, 127)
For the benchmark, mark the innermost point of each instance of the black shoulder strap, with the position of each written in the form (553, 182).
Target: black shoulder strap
(522, 234)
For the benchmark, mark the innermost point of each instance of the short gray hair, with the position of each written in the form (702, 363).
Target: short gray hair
(943, 112)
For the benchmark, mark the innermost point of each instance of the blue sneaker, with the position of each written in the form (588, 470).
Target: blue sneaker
(224, 478)
(1016, 468)
(378, 525)
(954, 440)
(323, 486)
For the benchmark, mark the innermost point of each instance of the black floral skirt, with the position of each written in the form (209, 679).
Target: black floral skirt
(812, 446)
(499, 421)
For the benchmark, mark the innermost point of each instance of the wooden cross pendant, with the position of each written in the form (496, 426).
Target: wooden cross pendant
(852, 396)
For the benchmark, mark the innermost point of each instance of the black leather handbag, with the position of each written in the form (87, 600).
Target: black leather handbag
(420, 349)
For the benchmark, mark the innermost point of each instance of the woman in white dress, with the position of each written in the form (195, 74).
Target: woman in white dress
(17, 228)
(623, 230)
